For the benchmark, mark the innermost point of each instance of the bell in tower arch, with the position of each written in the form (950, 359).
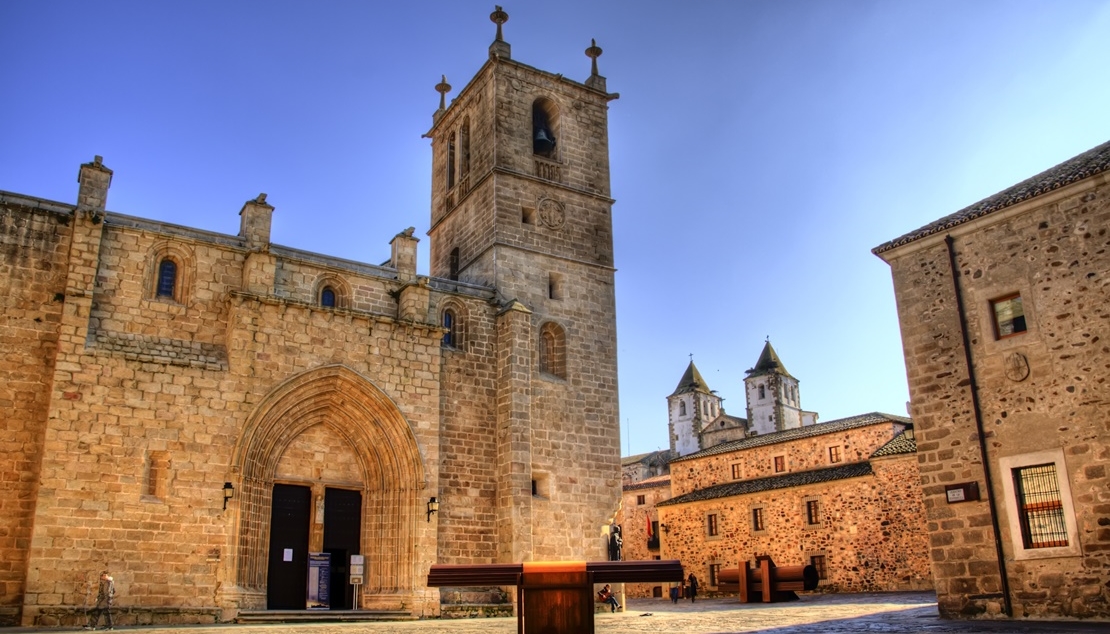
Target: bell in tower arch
(543, 142)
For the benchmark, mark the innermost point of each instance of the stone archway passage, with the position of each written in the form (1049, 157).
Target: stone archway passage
(389, 462)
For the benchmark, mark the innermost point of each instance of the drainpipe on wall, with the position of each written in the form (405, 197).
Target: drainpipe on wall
(1007, 605)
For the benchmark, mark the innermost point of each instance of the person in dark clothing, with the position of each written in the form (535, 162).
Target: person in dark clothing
(692, 587)
(105, 594)
(674, 594)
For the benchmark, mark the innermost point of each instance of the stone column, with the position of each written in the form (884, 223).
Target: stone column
(514, 433)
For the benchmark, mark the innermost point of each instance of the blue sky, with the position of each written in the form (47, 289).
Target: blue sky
(759, 149)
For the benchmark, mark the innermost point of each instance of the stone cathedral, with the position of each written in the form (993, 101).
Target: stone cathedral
(198, 413)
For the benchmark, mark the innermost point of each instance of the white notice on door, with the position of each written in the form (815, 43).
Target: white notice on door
(287, 554)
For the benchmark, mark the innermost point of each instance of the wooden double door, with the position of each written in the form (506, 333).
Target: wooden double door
(290, 536)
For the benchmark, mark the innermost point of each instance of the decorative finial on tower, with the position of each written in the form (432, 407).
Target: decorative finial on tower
(499, 17)
(499, 47)
(596, 81)
(593, 53)
(443, 88)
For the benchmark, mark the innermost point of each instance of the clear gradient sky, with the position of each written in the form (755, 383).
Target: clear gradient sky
(759, 149)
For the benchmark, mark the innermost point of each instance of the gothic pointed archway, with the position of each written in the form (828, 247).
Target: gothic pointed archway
(388, 460)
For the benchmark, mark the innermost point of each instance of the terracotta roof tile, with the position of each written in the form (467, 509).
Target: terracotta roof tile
(785, 481)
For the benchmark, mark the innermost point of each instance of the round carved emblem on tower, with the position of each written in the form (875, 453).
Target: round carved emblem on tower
(551, 213)
(1017, 367)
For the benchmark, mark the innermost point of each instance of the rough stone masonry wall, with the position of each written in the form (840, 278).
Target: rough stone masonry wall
(870, 531)
(33, 246)
(174, 556)
(803, 454)
(1055, 251)
(633, 520)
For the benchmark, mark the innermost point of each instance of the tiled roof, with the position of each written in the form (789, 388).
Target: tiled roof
(691, 381)
(650, 483)
(785, 481)
(768, 363)
(1089, 163)
(903, 443)
(662, 455)
(830, 427)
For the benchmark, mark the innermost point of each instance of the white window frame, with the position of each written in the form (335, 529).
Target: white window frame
(1013, 514)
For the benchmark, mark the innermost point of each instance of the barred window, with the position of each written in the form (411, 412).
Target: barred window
(818, 562)
(813, 515)
(1040, 507)
(711, 527)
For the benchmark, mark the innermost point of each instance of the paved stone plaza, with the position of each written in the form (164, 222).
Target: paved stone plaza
(907, 612)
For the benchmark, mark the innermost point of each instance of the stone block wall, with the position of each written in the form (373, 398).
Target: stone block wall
(800, 455)
(1041, 392)
(34, 240)
(870, 532)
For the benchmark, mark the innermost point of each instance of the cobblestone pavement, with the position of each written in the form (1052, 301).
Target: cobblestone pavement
(895, 613)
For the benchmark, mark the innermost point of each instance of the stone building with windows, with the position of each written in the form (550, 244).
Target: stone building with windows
(199, 412)
(1004, 308)
(841, 495)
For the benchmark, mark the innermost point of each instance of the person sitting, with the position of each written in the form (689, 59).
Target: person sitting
(605, 595)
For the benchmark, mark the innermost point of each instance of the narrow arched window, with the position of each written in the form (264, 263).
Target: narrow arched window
(167, 278)
(762, 392)
(553, 350)
(450, 323)
(464, 148)
(327, 297)
(451, 161)
(453, 264)
(682, 408)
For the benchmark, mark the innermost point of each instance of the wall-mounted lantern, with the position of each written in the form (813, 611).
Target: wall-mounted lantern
(433, 506)
(666, 529)
(229, 492)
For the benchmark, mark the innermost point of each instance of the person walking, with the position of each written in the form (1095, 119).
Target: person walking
(105, 594)
(674, 594)
(692, 587)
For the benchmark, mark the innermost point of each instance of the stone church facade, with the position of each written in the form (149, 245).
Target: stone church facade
(1004, 309)
(199, 412)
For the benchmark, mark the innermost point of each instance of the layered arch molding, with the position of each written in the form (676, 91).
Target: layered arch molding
(389, 461)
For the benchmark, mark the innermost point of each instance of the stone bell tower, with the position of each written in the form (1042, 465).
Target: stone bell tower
(521, 203)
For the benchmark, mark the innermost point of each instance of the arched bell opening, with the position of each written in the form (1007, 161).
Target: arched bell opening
(545, 128)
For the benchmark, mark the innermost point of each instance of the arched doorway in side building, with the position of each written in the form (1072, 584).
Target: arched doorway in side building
(326, 464)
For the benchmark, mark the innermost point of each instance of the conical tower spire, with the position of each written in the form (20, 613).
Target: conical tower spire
(691, 381)
(768, 363)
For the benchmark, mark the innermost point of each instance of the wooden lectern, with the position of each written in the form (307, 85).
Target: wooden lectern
(554, 597)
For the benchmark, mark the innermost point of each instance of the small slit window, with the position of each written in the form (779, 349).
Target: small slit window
(453, 265)
(554, 286)
(167, 278)
(762, 392)
(1009, 316)
(682, 408)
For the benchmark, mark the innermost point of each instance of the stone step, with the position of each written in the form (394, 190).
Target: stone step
(321, 616)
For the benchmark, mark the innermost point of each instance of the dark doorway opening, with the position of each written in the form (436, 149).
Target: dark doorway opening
(342, 538)
(287, 574)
